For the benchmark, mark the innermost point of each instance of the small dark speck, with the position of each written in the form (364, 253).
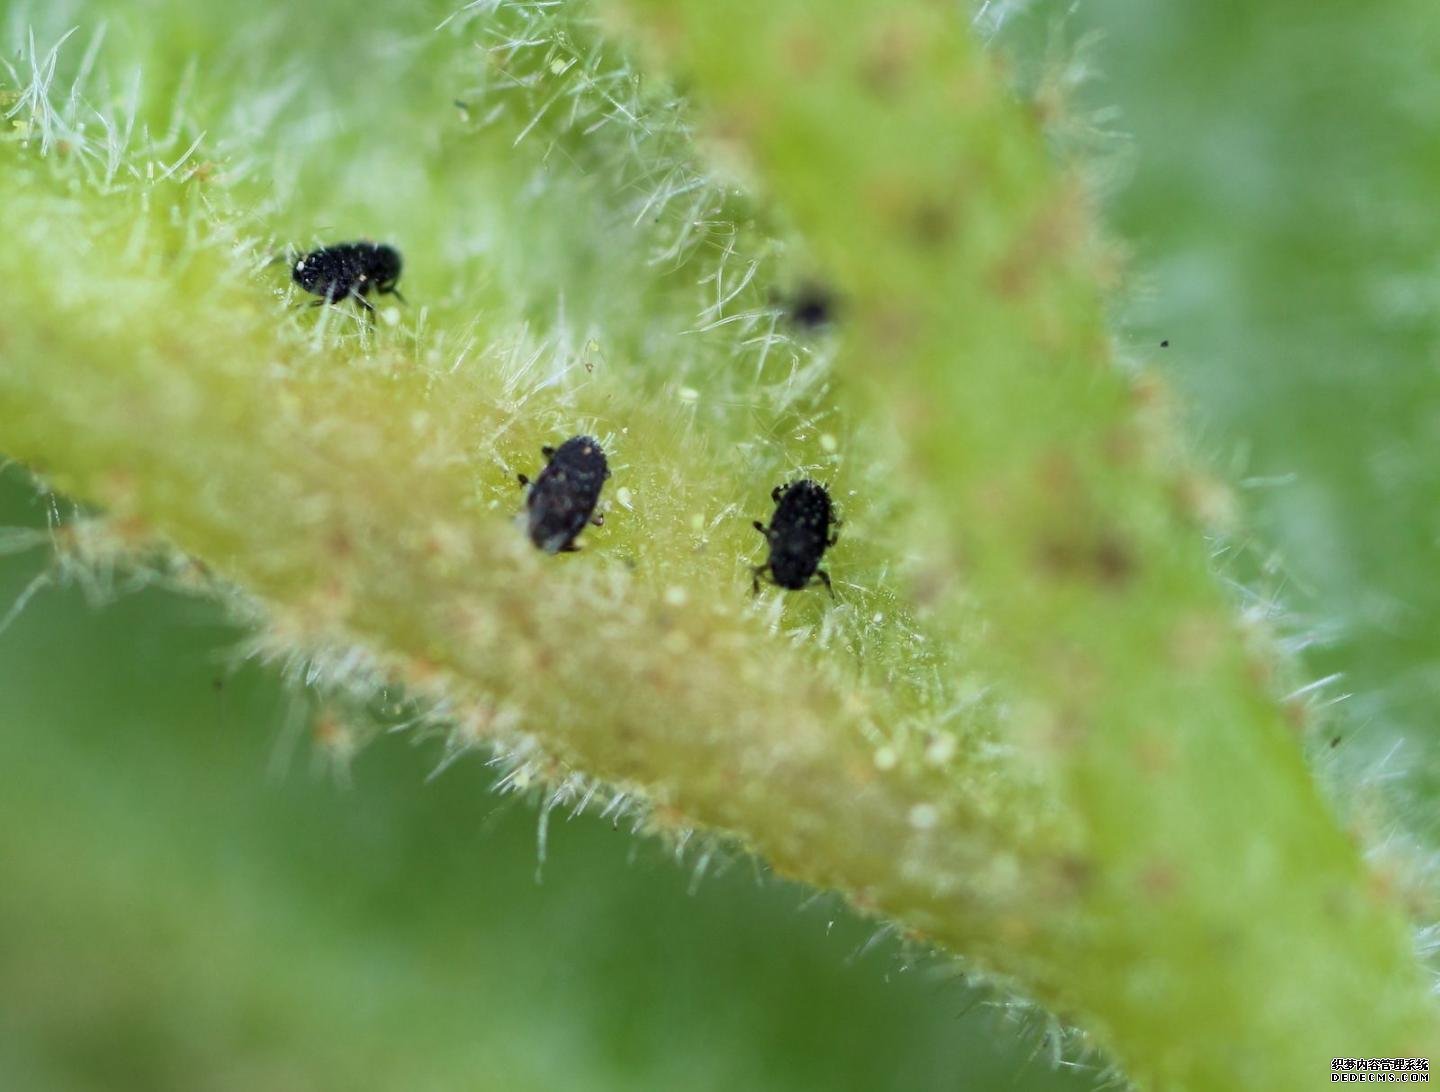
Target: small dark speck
(1335, 742)
(1165, 344)
(812, 307)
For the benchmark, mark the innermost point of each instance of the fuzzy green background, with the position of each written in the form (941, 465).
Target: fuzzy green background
(190, 902)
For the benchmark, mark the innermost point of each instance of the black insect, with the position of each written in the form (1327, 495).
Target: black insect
(349, 271)
(810, 307)
(562, 499)
(799, 534)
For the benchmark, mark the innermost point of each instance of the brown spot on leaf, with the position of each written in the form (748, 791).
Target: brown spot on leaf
(1260, 670)
(1077, 542)
(890, 57)
(1058, 474)
(1060, 731)
(1076, 873)
(1149, 391)
(329, 732)
(119, 490)
(804, 49)
(421, 673)
(1297, 714)
(892, 327)
(1159, 880)
(132, 531)
(1195, 642)
(1113, 560)
(934, 583)
(1203, 501)
(933, 222)
(1121, 445)
(1053, 231)
(1154, 754)
(1105, 558)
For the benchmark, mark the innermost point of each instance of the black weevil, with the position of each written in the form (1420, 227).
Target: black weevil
(562, 499)
(349, 271)
(798, 535)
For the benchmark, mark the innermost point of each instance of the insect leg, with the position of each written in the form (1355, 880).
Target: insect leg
(366, 304)
(824, 578)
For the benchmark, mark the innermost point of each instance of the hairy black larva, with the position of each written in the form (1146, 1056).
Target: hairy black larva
(798, 535)
(349, 271)
(562, 499)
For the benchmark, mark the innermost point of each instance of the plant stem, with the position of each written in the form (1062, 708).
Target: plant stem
(1216, 923)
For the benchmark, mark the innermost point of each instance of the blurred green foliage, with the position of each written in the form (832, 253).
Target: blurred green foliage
(1281, 217)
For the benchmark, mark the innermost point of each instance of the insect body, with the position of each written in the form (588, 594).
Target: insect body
(812, 307)
(562, 499)
(799, 534)
(349, 271)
